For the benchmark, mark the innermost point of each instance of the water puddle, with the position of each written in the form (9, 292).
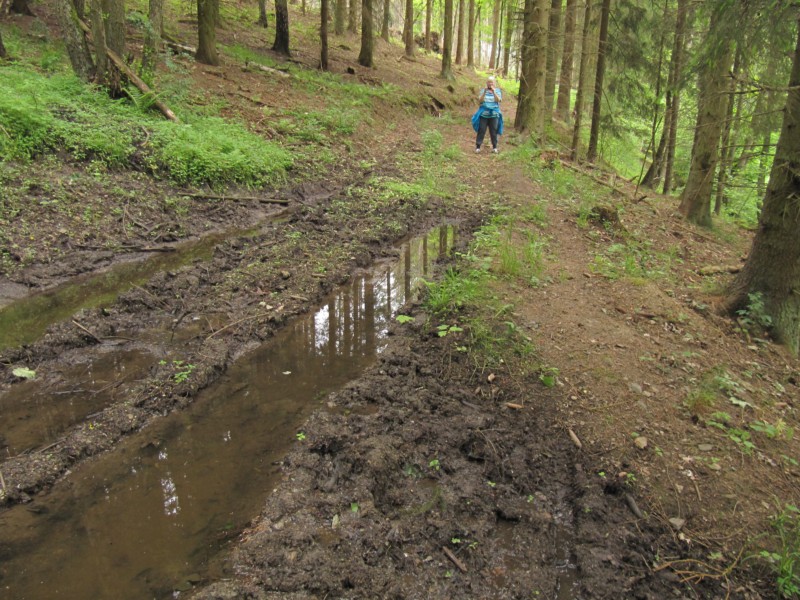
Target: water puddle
(25, 320)
(151, 517)
(36, 412)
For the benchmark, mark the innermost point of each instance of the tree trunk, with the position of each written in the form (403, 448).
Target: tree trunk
(324, 15)
(339, 17)
(696, 198)
(75, 41)
(674, 85)
(99, 41)
(114, 14)
(152, 38)
(511, 9)
(565, 77)
(460, 36)
(3, 53)
(263, 20)
(471, 35)
(725, 145)
(21, 7)
(408, 28)
(773, 267)
(582, 83)
(365, 56)
(385, 18)
(447, 46)
(207, 32)
(495, 32)
(654, 169)
(281, 44)
(530, 110)
(602, 52)
(552, 58)
(352, 16)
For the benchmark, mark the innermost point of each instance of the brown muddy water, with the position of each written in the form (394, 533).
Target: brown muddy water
(150, 518)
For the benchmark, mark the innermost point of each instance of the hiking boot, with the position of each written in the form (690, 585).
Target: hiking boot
(494, 151)
(478, 150)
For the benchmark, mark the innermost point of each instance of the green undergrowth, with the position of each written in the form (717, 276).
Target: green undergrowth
(466, 303)
(41, 115)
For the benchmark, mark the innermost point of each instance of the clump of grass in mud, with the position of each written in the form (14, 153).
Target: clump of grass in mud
(784, 557)
(632, 260)
(465, 295)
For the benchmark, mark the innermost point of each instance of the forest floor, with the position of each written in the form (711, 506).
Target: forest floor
(640, 450)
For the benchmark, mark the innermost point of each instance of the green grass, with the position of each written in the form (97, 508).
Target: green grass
(40, 115)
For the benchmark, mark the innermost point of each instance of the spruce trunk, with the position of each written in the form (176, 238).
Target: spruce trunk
(602, 52)
(460, 35)
(567, 57)
(408, 28)
(773, 266)
(323, 34)
(281, 44)
(552, 57)
(207, 32)
(74, 40)
(447, 46)
(471, 35)
(365, 58)
(582, 83)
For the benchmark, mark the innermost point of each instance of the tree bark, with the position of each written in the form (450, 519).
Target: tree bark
(582, 83)
(511, 10)
(565, 77)
(339, 17)
(365, 58)
(3, 53)
(263, 20)
(471, 35)
(207, 32)
(114, 14)
(696, 198)
(673, 92)
(602, 52)
(460, 36)
(152, 38)
(773, 266)
(352, 16)
(385, 18)
(552, 58)
(281, 44)
(324, 15)
(654, 169)
(495, 33)
(447, 46)
(75, 41)
(530, 109)
(408, 28)
(99, 41)
(726, 153)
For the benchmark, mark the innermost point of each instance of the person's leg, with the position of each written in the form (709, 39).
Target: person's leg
(493, 131)
(484, 122)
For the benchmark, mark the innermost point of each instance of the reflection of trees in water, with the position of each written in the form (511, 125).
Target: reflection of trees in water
(355, 321)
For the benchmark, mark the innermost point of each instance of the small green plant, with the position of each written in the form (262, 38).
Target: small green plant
(183, 370)
(755, 317)
(434, 464)
(785, 559)
(403, 319)
(548, 376)
(445, 329)
(301, 436)
(491, 484)
(354, 507)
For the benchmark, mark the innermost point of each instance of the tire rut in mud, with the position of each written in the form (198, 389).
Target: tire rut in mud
(420, 482)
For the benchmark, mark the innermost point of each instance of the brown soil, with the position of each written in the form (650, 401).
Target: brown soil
(423, 457)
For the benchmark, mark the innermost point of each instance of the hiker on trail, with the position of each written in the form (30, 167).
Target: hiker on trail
(488, 115)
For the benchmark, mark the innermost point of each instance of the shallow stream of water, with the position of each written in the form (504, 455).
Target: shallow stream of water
(149, 518)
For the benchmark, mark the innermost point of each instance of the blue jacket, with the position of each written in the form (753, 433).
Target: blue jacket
(476, 119)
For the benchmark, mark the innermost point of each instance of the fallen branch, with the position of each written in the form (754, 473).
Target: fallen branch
(229, 325)
(575, 439)
(271, 71)
(717, 269)
(238, 198)
(89, 333)
(600, 181)
(175, 45)
(461, 566)
(133, 78)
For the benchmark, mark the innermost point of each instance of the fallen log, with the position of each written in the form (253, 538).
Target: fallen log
(133, 77)
(238, 198)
